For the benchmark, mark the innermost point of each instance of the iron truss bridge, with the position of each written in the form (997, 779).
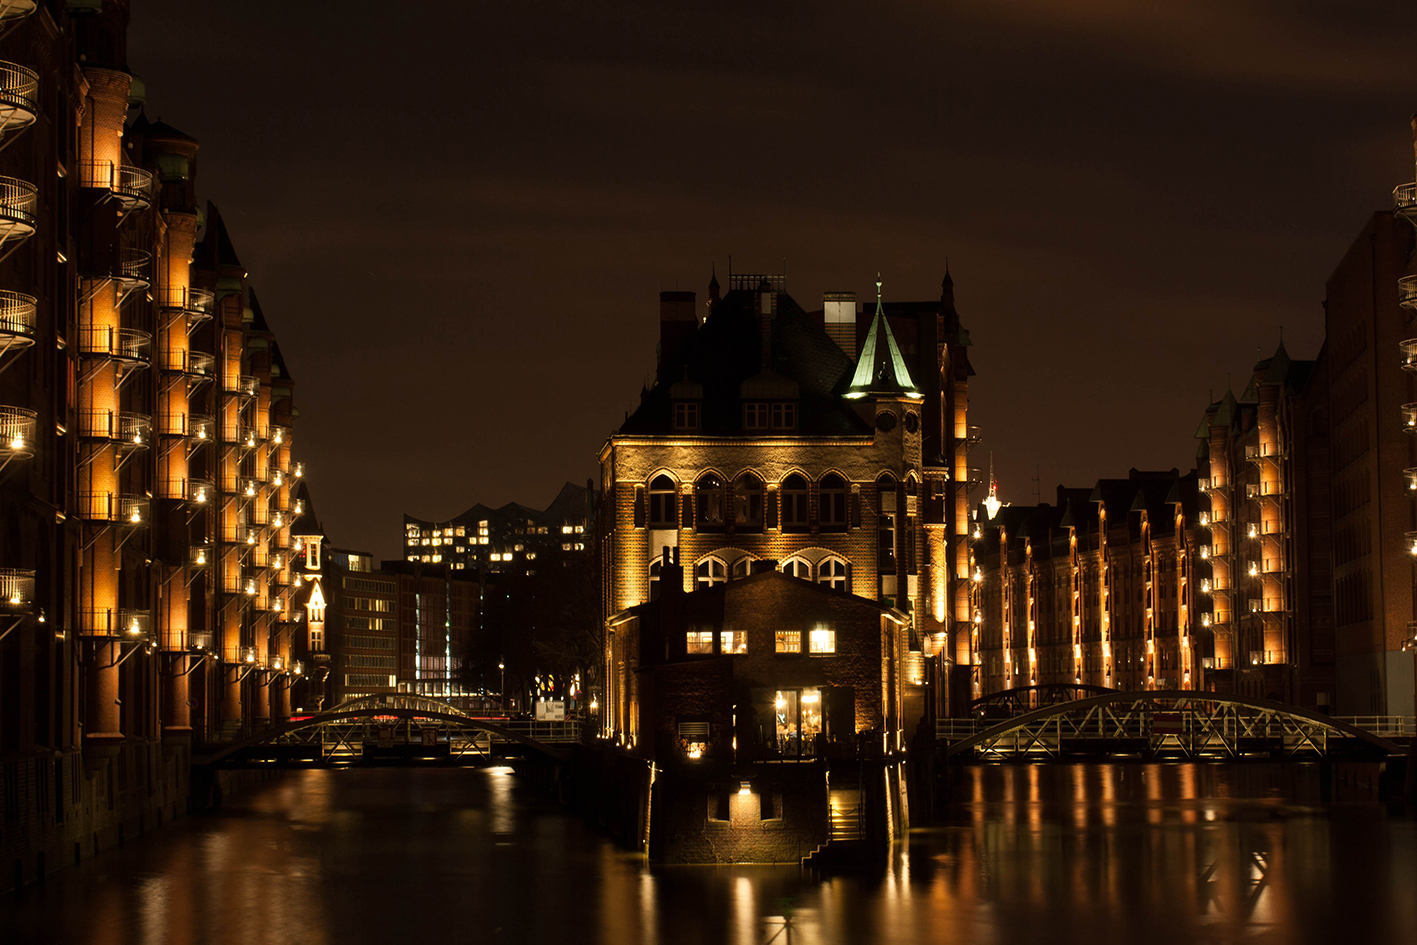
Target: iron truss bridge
(398, 728)
(1193, 725)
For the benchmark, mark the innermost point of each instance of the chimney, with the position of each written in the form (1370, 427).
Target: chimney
(678, 317)
(839, 317)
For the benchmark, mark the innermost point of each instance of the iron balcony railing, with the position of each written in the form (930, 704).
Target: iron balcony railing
(1404, 199)
(199, 556)
(201, 427)
(1409, 354)
(1407, 292)
(248, 386)
(131, 186)
(134, 266)
(122, 622)
(19, 96)
(1409, 418)
(1409, 475)
(16, 591)
(13, 11)
(132, 430)
(188, 299)
(17, 431)
(1409, 541)
(16, 318)
(122, 344)
(131, 510)
(279, 435)
(199, 639)
(19, 201)
(197, 364)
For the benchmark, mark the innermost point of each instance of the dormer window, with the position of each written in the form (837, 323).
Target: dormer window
(686, 416)
(762, 415)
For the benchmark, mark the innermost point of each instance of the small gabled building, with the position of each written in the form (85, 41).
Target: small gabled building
(762, 704)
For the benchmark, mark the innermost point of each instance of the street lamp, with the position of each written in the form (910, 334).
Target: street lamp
(502, 689)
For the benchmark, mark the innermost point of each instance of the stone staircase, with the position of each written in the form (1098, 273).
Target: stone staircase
(846, 834)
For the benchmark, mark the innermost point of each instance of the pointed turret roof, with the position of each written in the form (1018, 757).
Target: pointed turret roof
(881, 370)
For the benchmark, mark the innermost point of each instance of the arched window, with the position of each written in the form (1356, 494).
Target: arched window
(798, 568)
(748, 503)
(654, 569)
(708, 496)
(741, 568)
(832, 503)
(662, 504)
(794, 503)
(832, 573)
(710, 571)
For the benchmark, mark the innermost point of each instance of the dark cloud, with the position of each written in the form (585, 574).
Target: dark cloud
(459, 215)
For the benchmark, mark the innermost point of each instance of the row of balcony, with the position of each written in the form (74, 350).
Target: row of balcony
(1404, 198)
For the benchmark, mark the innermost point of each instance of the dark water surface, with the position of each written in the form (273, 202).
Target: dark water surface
(1089, 854)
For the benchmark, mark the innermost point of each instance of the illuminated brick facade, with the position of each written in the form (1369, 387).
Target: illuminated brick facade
(767, 438)
(1099, 589)
(145, 440)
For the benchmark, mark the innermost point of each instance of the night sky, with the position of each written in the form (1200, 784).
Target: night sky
(459, 215)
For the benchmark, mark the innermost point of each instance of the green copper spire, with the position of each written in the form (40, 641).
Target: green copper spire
(881, 370)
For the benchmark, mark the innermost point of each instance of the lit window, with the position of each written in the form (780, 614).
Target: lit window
(748, 502)
(741, 568)
(698, 641)
(794, 503)
(832, 573)
(823, 641)
(462, 532)
(662, 503)
(565, 529)
(788, 641)
(710, 571)
(708, 496)
(565, 546)
(832, 502)
(798, 568)
(654, 568)
(730, 641)
(580, 529)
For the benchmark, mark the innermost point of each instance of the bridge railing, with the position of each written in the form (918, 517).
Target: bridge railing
(561, 732)
(1383, 726)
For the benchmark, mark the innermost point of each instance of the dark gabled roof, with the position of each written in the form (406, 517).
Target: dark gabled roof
(258, 317)
(160, 129)
(225, 252)
(726, 351)
(306, 523)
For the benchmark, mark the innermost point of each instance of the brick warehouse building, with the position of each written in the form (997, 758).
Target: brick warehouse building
(765, 437)
(1098, 589)
(146, 429)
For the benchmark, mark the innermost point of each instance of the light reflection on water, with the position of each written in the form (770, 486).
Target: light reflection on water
(1072, 853)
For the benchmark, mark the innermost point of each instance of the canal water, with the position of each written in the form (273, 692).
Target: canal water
(1116, 853)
